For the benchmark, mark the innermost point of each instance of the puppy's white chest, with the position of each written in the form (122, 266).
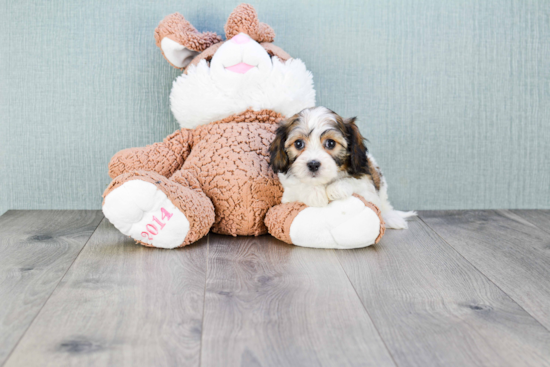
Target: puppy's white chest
(294, 190)
(315, 196)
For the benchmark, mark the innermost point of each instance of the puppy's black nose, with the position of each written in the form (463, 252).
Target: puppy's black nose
(313, 165)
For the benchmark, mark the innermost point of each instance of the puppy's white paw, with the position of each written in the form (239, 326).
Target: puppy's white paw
(317, 197)
(339, 190)
(140, 210)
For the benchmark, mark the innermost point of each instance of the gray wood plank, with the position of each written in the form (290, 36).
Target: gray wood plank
(271, 304)
(36, 249)
(509, 250)
(433, 308)
(121, 304)
(540, 218)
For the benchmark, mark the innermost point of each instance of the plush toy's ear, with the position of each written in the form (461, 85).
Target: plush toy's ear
(176, 54)
(357, 150)
(273, 50)
(180, 42)
(244, 19)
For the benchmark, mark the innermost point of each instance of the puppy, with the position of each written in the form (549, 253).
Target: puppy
(321, 157)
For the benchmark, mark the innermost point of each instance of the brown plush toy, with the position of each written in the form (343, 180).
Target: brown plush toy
(214, 173)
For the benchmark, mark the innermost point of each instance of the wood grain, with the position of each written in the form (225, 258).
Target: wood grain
(540, 218)
(476, 293)
(433, 308)
(508, 249)
(36, 249)
(272, 304)
(121, 304)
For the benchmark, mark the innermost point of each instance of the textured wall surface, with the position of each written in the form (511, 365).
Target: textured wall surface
(453, 95)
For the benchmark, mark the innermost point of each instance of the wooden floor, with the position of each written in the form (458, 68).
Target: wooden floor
(458, 288)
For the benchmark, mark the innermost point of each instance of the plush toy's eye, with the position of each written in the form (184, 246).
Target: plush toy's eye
(299, 144)
(330, 144)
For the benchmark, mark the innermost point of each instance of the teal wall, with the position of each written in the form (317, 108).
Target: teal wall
(453, 95)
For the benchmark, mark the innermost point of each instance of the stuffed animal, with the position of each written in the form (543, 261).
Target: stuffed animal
(214, 173)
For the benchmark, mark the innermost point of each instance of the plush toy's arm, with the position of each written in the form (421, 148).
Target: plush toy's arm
(164, 158)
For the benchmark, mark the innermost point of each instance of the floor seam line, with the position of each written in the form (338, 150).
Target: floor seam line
(204, 296)
(365, 308)
(485, 275)
(53, 291)
(527, 220)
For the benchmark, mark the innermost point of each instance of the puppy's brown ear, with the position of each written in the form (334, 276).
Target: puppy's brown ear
(279, 158)
(357, 150)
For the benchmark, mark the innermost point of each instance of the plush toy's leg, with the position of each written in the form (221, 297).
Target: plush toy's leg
(343, 224)
(157, 211)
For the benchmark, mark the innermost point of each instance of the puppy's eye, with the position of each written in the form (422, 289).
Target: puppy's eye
(299, 144)
(330, 144)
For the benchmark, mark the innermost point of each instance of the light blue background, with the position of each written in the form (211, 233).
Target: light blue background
(453, 95)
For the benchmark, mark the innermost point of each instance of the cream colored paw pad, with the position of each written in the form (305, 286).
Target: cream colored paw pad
(140, 210)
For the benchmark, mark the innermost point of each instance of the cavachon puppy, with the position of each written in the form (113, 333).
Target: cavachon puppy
(321, 157)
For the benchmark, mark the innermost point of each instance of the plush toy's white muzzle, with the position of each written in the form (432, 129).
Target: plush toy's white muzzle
(240, 60)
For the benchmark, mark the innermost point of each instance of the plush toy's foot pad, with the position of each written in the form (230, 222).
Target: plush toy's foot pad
(342, 224)
(142, 211)
(156, 211)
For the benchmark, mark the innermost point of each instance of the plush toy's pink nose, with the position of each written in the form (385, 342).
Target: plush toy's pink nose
(240, 39)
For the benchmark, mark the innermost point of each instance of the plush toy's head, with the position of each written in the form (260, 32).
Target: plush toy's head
(222, 78)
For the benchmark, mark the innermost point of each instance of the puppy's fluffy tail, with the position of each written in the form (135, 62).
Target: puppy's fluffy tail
(397, 219)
